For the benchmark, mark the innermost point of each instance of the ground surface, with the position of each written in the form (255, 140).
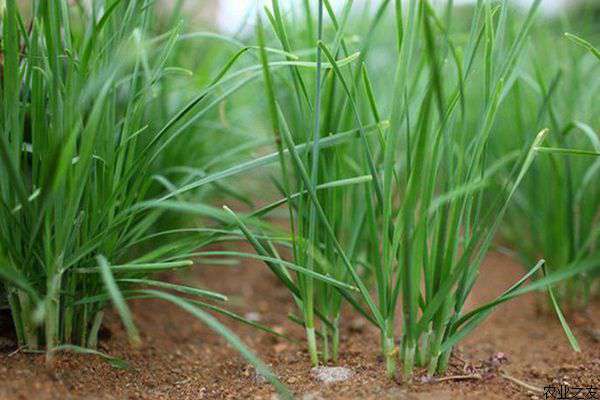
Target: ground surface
(182, 359)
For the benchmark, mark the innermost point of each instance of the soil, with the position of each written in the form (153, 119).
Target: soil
(515, 353)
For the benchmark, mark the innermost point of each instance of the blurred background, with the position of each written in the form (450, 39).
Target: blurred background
(228, 15)
(237, 16)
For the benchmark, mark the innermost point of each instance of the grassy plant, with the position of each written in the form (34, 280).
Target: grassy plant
(69, 186)
(390, 178)
(434, 229)
(420, 223)
(559, 90)
(79, 146)
(330, 175)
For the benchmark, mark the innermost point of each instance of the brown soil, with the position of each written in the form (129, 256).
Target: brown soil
(182, 359)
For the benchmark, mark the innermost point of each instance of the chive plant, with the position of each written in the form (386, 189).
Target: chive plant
(560, 91)
(393, 218)
(432, 230)
(316, 109)
(79, 144)
(64, 186)
(418, 228)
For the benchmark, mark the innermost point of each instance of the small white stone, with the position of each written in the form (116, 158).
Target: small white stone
(252, 316)
(331, 374)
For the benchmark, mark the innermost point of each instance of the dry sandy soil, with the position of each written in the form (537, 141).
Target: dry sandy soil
(182, 359)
